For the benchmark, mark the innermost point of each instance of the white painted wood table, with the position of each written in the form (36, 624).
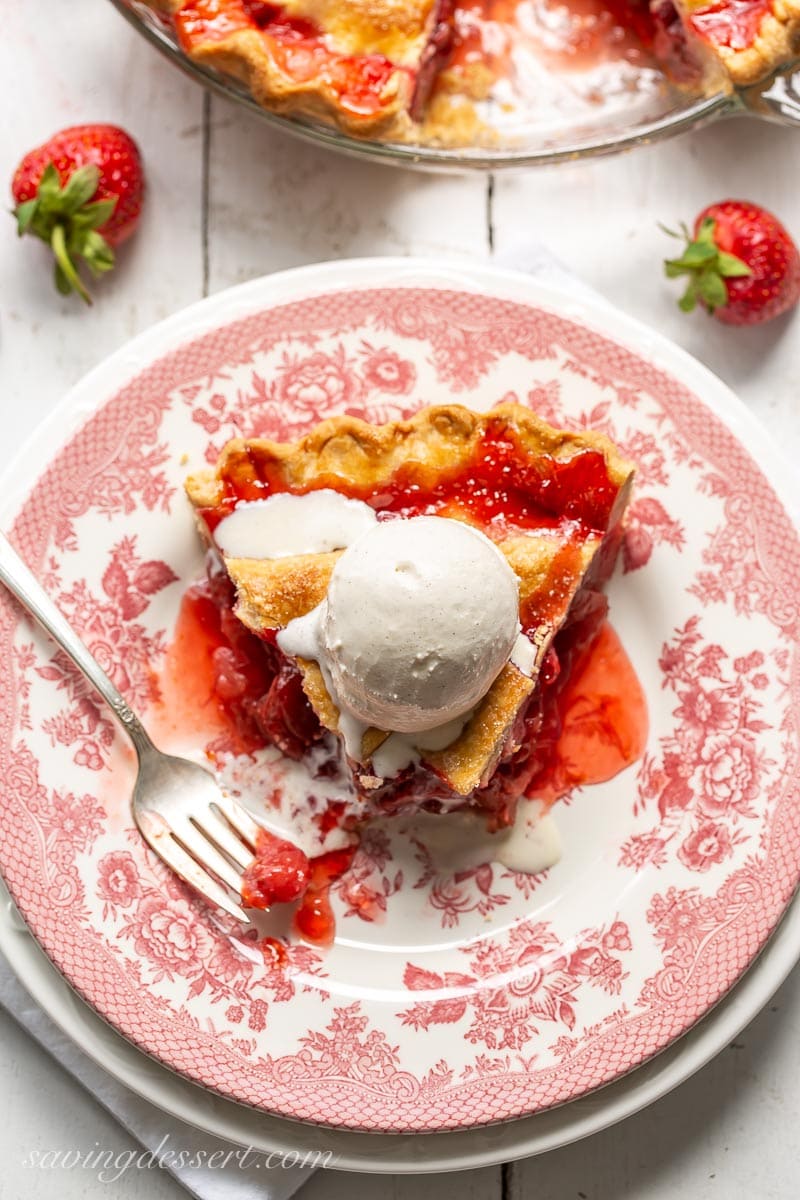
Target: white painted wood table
(229, 199)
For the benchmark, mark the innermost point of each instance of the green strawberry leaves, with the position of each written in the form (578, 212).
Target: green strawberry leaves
(68, 220)
(707, 267)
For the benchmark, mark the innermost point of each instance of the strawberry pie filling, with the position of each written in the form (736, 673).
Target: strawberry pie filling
(500, 490)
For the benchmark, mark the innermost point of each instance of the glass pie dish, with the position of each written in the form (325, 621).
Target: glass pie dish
(575, 121)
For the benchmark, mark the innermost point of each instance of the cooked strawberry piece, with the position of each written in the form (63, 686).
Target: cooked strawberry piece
(284, 715)
(202, 21)
(734, 23)
(279, 874)
(360, 80)
(259, 691)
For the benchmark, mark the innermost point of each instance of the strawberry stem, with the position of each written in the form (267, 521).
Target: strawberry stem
(707, 267)
(66, 274)
(70, 221)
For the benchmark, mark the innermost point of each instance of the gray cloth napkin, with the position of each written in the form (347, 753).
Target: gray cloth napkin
(144, 1121)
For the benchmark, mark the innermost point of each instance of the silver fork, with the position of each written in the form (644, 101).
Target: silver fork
(205, 836)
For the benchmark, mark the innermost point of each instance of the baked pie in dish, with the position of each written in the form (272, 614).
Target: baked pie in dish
(404, 603)
(445, 73)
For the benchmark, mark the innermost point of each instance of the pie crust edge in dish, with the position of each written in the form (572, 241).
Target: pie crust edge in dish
(243, 54)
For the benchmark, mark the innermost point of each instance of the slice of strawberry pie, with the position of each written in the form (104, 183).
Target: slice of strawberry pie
(423, 588)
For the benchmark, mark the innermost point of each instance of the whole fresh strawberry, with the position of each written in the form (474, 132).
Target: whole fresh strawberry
(742, 264)
(81, 192)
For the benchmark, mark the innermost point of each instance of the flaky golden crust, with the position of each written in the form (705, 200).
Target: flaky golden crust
(469, 761)
(357, 455)
(271, 592)
(353, 455)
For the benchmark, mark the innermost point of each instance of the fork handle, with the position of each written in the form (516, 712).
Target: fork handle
(23, 584)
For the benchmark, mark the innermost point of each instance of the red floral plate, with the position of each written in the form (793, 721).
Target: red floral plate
(463, 999)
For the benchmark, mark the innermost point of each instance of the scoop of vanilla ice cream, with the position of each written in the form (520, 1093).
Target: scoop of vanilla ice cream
(421, 616)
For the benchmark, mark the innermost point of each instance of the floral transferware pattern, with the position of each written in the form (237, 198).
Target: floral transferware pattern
(481, 1006)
